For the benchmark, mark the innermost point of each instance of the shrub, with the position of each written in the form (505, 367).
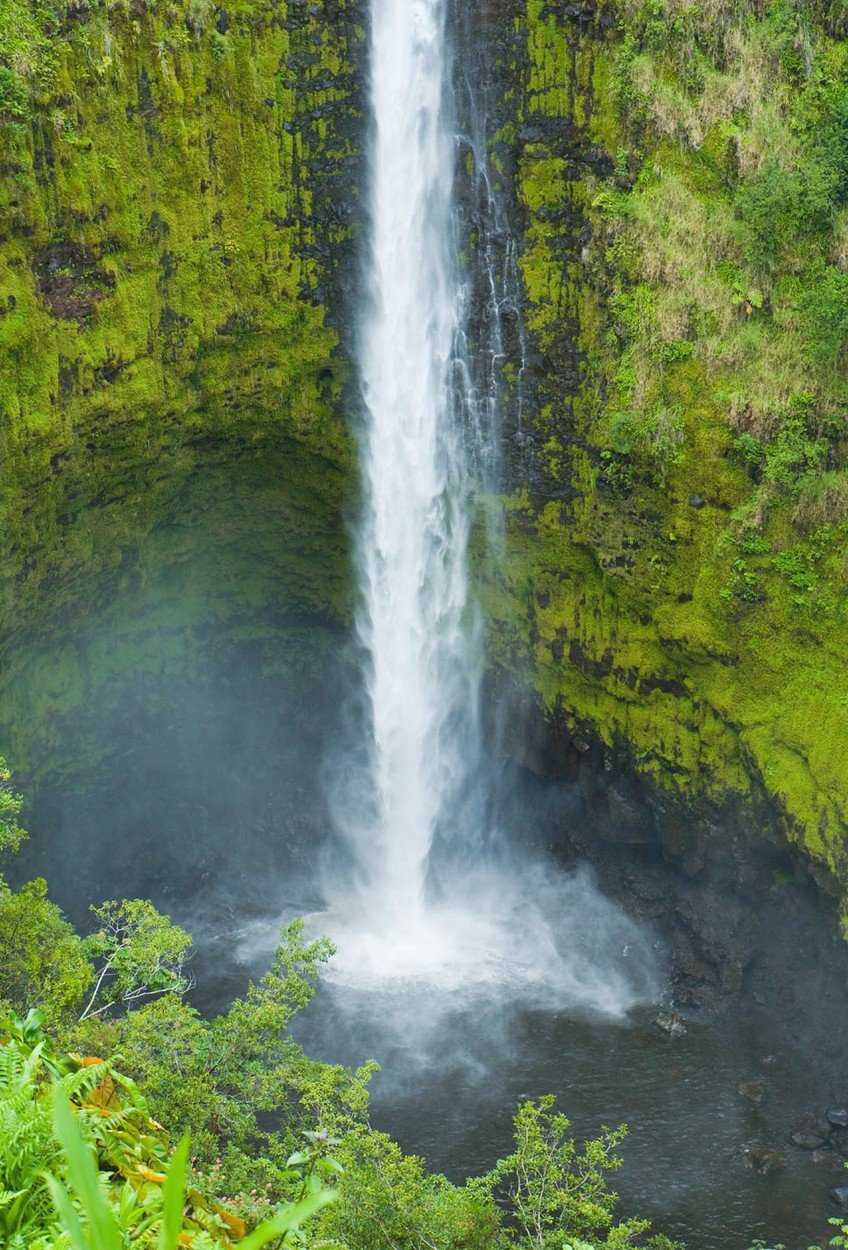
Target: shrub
(42, 960)
(11, 834)
(777, 206)
(824, 304)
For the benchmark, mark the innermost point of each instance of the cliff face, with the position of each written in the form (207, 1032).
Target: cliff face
(678, 535)
(162, 264)
(179, 202)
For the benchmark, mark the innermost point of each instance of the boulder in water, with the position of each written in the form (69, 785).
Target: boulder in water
(752, 1090)
(808, 1137)
(671, 1023)
(763, 1160)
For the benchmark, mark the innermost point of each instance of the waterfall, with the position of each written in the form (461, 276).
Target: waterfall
(414, 620)
(487, 918)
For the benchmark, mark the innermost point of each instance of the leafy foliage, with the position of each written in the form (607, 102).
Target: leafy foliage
(83, 1166)
(138, 954)
(220, 1080)
(778, 207)
(11, 834)
(27, 28)
(557, 1193)
(42, 960)
(388, 1201)
(27, 1146)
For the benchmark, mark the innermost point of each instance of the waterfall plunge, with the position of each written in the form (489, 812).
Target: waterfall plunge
(414, 530)
(513, 927)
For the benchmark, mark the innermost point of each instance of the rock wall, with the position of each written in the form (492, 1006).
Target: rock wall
(676, 537)
(177, 195)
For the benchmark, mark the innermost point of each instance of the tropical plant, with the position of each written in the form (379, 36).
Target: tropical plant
(27, 1145)
(238, 1084)
(91, 1222)
(84, 1167)
(42, 960)
(556, 1193)
(138, 954)
(11, 834)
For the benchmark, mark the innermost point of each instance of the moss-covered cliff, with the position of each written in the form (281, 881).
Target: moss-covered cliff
(165, 240)
(678, 564)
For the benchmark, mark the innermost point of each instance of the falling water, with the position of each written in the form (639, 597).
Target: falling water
(415, 526)
(479, 921)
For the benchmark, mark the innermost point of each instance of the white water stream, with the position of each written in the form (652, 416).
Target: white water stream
(414, 531)
(487, 923)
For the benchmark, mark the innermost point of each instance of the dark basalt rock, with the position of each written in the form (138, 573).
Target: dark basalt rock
(71, 280)
(763, 1160)
(808, 1139)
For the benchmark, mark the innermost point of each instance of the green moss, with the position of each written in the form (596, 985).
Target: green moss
(169, 384)
(633, 590)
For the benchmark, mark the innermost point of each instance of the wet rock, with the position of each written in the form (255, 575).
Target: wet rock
(71, 280)
(840, 1196)
(808, 1139)
(687, 964)
(696, 501)
(671, 1023)
(763, 1160)
(697, 996)
(838, 1117)
(580, 12)
(731, 976)
(752, 1090)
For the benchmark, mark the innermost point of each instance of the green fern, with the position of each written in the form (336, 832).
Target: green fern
(27, 1146)
(83, 1167)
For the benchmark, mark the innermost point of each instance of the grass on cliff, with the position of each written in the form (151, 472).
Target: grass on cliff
(682, 582)
(726, 240)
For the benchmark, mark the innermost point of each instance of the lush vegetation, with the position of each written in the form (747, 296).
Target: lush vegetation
(679, 574)
(274, 1146)
(84, 1166)
(679, 558)
(160, 329)
(728, 251)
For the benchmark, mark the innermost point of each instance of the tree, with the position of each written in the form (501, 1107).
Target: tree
(11, 834)
(389, 1201)
(42, 961)
(556, 1193)
(137, 953)
(239, 1084)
